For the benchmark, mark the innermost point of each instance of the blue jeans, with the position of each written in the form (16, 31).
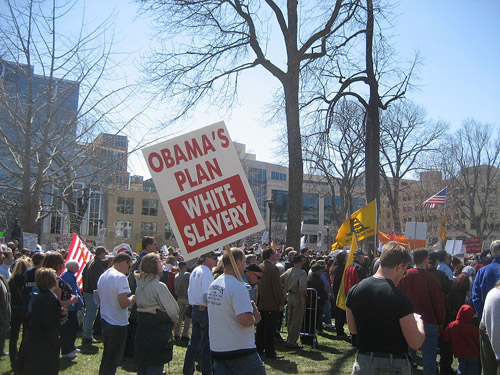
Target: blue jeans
(468, 366)
(429, 349)
(250, 364)
(114, 338)
(90, 314)
(199, 345)
(150, 370)
(327, 312)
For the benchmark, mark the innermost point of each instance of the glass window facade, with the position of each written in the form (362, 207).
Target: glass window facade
(148, 229)
(125, 206)
(123, 229)
(278, 176)
(169, 234)
(258, 183)
(150, 207)
(94, 214)
(280, 208)
(310, 208)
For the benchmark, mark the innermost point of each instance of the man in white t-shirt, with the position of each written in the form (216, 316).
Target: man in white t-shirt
(113, 292)
(199, 281)
(232, 318)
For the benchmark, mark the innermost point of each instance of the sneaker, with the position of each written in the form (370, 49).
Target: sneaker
(76, 351)
(71, 355)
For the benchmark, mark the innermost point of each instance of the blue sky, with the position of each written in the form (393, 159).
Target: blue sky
(457, 40)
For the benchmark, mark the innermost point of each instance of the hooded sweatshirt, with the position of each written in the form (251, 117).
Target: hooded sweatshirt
(464, 337)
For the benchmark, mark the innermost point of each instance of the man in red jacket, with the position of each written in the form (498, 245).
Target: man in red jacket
(464, 338)
(355, 272)
(427, 297)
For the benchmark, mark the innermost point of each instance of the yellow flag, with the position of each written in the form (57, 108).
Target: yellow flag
(350, 258)
(363, 222)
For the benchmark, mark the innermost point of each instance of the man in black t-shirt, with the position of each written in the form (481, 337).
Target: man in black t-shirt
(383, 317)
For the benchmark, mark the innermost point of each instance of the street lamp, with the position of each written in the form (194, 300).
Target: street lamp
(328, 238)
(270, 204)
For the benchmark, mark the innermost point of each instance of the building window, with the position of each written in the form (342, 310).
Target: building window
(280, 207)
(125, 206)
(278, 176)
(150, 207)
(310, 208)
(123, 229)
(55, 224)
(94, 213)
(312, 238)
(169, 234)
(257, 182)
(148, 229)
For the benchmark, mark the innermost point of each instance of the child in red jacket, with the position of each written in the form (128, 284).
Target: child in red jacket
(464, 338)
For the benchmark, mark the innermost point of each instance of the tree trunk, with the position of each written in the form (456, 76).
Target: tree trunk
(295, 165)
(372, 141)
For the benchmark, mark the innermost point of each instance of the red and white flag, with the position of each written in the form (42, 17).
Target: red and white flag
(436, 199)
(78, 251)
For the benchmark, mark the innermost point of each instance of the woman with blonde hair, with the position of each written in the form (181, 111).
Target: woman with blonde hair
(18, 306)
(157, 312)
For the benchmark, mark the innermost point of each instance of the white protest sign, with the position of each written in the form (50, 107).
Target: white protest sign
(203, 189)
(64, 240)
(416, 231)
(453, 247)
(30, 240)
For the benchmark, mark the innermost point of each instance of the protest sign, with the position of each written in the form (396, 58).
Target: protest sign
(30, 240)
(473, 245)
(453, 247)
(64, 240)
(203, 189)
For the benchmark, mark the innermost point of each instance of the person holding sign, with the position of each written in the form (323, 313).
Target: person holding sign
(199, 282)
(232, 318)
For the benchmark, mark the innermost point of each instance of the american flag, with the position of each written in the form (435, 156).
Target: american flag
(79, 252)
(436, 199)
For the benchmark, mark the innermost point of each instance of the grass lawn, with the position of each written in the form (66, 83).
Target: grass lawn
(331, 356)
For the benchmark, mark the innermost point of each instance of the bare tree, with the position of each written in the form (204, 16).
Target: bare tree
(406, 136)
(372, 78)
(48, 116)
(338, 155)
(208, 44)
(471, 161)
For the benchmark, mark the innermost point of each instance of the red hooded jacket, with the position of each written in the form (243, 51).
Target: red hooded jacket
(464, 337)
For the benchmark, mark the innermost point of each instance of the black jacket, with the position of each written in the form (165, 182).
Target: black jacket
(91, 273)
(153, 339)
(40, 352)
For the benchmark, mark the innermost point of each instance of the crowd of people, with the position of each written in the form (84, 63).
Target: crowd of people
(231, 307)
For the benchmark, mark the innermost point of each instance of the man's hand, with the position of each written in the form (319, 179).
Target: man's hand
(256, 313)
